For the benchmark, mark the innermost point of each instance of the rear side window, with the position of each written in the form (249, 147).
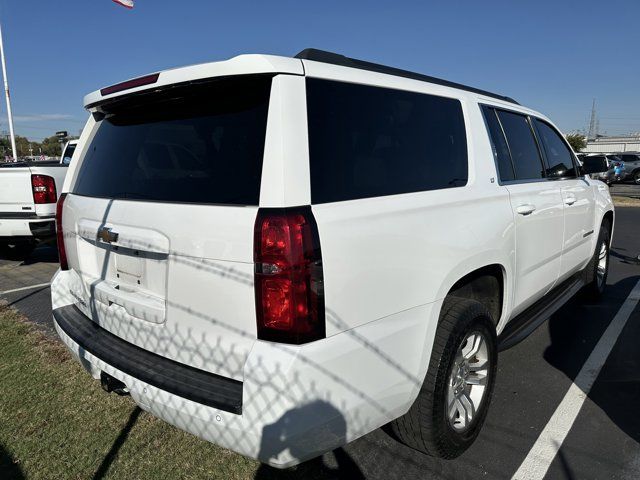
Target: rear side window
(368, 141)
(192, 143)
(559, 157)
(499, 145)
(522, 145)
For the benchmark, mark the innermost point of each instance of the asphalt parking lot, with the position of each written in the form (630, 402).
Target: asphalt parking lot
(533, 379)
(625, 190)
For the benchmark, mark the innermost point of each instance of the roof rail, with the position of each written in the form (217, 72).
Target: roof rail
(337, 59)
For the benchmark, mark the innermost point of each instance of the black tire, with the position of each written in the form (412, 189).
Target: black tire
(426, 426)
(595, 284)
(636, 177)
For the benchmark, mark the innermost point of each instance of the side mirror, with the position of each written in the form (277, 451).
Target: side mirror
(594, 165)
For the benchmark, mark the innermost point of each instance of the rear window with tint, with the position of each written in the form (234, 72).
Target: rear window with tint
(191, 143)
(499, 145)
(368, 141)
(522, 145)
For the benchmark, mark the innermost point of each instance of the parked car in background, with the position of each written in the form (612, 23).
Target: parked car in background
(609, 176)
(631, 166)
(268, 253)
(29, 191)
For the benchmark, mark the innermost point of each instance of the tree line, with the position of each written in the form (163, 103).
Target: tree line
(50, 147)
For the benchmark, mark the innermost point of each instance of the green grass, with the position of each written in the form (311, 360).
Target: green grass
(56, 423)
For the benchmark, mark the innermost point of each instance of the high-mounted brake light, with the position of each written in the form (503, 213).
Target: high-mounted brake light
(44, 189)
(136, 82)
(62, 252)
(288, 276)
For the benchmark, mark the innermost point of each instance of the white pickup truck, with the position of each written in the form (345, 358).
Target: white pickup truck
(28, 195)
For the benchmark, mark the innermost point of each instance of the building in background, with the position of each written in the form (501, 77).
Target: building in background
(602, 144)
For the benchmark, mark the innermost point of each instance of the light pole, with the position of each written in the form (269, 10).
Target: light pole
(8, 98)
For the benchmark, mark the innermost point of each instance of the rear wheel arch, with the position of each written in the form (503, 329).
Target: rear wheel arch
(485, 285)
(607, 219)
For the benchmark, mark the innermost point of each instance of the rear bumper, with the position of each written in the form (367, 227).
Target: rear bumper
(297, 401)
(37, 228)
(191, 383)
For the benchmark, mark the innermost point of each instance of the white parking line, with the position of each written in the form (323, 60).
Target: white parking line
(30, 287)
(543, 452)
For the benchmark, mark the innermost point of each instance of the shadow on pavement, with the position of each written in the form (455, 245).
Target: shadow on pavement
(280, 436)
(628, 259)
(617, 388)
(9, 469)
(315, 469)
(24, 297)
(45, 253)
(27, 255)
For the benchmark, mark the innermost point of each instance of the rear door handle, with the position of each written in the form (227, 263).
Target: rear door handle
(570, 200)
(525, 209)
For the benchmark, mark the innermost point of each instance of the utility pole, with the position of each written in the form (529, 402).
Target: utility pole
(8, 98)
(592, 123)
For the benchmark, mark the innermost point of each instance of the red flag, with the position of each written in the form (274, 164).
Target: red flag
(125, 3)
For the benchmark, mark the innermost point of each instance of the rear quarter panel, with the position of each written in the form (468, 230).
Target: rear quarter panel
(385, 255)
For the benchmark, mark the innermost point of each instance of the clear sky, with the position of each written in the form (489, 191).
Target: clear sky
(554, 56)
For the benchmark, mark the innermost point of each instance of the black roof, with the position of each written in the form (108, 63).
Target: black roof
(337, 59)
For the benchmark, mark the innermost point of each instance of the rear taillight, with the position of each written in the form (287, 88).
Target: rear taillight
(44, 189)
(288, 276)
(62, 252)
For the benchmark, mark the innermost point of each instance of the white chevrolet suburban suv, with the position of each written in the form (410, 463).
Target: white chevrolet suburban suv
(280, 255)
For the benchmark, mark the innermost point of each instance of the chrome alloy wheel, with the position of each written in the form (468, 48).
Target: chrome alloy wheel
(601, 269)
(467, 381)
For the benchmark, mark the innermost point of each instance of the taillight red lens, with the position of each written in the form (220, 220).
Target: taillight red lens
(288, 276)
(62, 252)
(44, 189)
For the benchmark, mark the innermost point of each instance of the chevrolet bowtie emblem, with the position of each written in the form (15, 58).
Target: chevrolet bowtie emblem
(107, 235)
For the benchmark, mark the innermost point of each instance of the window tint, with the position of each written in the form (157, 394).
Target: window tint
(559, 157)
(499, 145)
(522, 145)
(192, 143)
(368, 141)
(68, 153)
(630, 158)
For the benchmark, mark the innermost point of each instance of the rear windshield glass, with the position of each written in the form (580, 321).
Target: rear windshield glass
(368, 141)
(192, 143)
